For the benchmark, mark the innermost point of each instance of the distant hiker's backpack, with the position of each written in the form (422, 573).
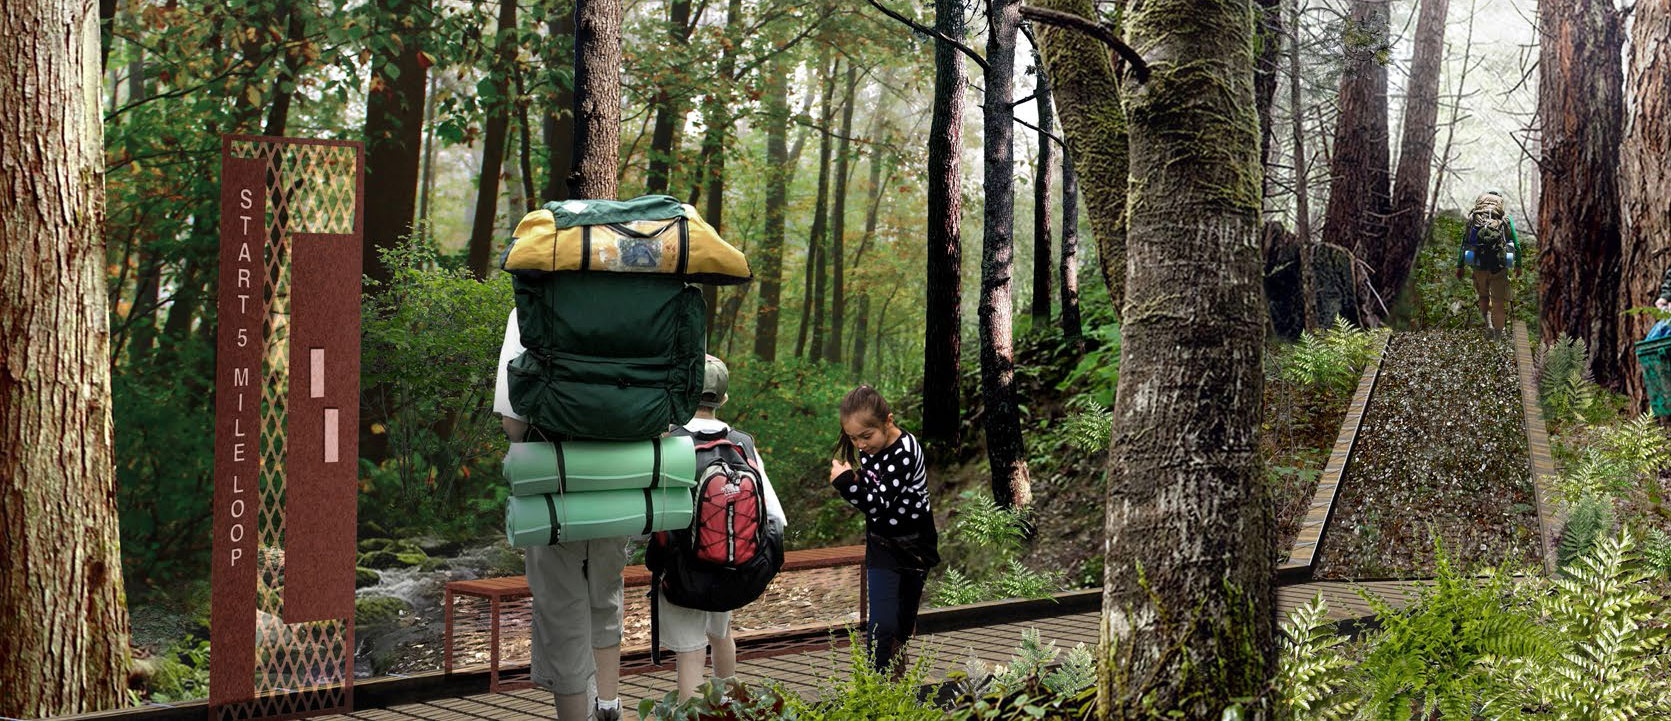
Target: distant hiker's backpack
(1487, 248)
(730, 553)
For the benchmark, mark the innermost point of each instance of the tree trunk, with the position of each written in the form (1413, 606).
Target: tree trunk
(597, 98)
(1450, 128)
(717, 115)
(1580, 102)
(1087, 95)
(1265, 76)
(670, 104)
(859, 331)
(838, 222)
(1397, 253)
(777, 196)
(1359, 197)
(1645, 182)
(63, 617)
(812, 300)
(943, 324)
(1071, 323)
(1041, 196)
(1188, 605)
(557, 126)
(1005, 450)
(284, 86)
(426, 177)
(1302, 175)
(482, 231)
(393, 133)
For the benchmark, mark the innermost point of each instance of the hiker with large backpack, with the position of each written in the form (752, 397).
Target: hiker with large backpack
(880, 469)
(1490, 247)
(730, 553)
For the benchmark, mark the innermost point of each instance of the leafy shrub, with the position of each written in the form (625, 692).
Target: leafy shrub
(866, 694)
(995, 535)
(181, 673)
(1038, 682)
(1589, 520)
(1656, 552)
(1620, 458)
(1312, 669)
(725, 698)
(1089, 423)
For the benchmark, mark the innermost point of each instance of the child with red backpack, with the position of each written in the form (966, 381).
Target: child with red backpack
(882, 472)
(728, 556)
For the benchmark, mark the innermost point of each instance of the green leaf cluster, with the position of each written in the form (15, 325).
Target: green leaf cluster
(992, 537)
(1331, 360)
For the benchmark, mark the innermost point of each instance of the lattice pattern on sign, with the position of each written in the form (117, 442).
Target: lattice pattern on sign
(324, 172)
(797, 599)
(300, 668)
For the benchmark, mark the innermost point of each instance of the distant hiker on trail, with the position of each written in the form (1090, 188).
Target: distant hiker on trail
(577, 590)
(890, 485)
(1490, 246)
(688, 632)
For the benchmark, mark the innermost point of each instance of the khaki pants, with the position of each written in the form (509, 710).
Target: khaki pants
(1492, 288)
(577, 608)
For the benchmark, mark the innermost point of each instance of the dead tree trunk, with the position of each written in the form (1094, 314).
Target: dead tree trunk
(1645, 181)
(63, 617)
(1394, 257)
(1087, 95)
(1359, 199)
(597, 98)
(1005, 450)
(942, 336)
(1188, 601)
(1580, 103)
(777, 196)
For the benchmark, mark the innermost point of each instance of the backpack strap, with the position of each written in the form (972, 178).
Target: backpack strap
(551, 508)
(649, 512)
(684, 246)
(655, 465)
(585, 249)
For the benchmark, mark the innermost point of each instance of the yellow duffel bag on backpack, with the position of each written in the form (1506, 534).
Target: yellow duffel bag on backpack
(682, 245)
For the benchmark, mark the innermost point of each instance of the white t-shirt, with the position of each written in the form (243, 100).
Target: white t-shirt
(512, 347)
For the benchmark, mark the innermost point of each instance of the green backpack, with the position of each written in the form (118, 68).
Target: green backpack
(610, 356)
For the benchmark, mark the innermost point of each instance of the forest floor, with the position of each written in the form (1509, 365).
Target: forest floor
(1419, 476)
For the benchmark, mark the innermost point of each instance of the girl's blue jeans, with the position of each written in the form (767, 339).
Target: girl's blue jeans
(895, 595)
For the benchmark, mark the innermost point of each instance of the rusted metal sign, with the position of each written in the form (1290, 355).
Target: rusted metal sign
(287, 384)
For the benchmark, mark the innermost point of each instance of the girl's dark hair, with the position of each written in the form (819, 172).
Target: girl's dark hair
(864, 399)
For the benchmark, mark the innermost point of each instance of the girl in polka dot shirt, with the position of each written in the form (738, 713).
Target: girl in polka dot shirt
(890, 486)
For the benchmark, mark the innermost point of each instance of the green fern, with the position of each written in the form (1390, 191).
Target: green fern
(1590, 519)
(1656, 551)
(1564, 383)
(955, 589)
(1313, 671)
(1088, 425)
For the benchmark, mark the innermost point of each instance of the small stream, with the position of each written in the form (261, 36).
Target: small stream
(410, 640)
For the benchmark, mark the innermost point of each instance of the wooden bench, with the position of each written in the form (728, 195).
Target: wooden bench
(493, 617)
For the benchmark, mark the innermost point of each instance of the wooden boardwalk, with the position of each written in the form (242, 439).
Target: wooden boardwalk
(807, 673)
(1551, 515)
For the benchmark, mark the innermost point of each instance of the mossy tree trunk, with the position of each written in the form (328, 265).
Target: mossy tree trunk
(1359, 192)
(942, 336)
(1581, 107)
(1188, 605)
(1087, 95)
(63, 615)
(777, 195)
(1005, 450)
(1645, 181)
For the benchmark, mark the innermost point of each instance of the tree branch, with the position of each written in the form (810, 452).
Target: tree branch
(1059, 142)
(1100, 31)
(936, 34)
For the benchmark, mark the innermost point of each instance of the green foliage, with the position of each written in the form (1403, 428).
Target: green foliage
(1038, 682)
(180, 673)
(1089, 424)
(1622, 457)
(1331, 360)
(1656, 552)
(1609, 626)
(1436, 654)
(1098, 373)
(866, 694)
(1312, 669)
(995, 535)
(431, 341)
(726, 698)
(1590, 520)
(1564, 384)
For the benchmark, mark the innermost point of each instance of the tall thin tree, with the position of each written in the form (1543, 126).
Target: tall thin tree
(812, 302)
(63, 614)
(1071, 321)
(838, 221)
(1302, 171)
(942, 336)
(1041, 192)
(499, 105)
(1396, 255)
(669, 102)
(776, 97)
(393, 128)
(597, 98)
(1188, 604)
(557, 124)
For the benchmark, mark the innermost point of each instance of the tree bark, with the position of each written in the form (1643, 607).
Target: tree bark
(1450, 128)
(1041, 194)
(597, 98)
(942, 334)
(1396, 255)
(1359, 194)
(1645, 182)
(480, 255)
(63, 616)
(1188, 603)
(838, 222)
(717, 115)
(394, 133)
(557, 125)
(777, 196)
(670, 105)
(1087, 95)
(812, 301)
(1005, 451)
(1580, 102)
(1302, 175)
(1072, 325)
(1265, 70)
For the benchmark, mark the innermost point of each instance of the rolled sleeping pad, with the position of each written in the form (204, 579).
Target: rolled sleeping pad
(586, 466)
(563, 517)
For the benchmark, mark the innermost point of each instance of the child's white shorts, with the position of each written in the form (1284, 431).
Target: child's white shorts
(686, 629)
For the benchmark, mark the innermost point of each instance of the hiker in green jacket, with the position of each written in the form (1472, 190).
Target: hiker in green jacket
(1490, 246)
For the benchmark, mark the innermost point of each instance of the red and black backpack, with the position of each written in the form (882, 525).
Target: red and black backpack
(730, 553)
